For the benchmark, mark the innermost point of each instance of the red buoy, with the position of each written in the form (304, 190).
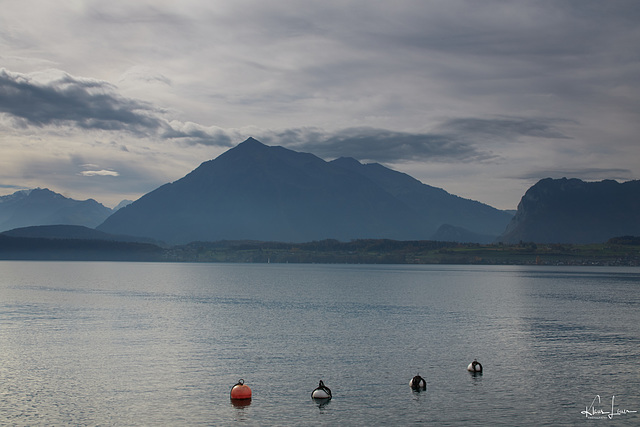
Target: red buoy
(240, 391)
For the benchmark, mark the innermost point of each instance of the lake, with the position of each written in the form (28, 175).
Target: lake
(99, 343)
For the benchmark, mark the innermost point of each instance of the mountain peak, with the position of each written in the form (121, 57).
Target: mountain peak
(45, 193)
(251, 141)
(249, 145)
(346, 162)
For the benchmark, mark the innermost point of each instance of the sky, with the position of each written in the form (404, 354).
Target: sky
(111, 99)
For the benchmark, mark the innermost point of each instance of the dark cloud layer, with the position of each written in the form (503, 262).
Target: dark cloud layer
(456, 140)
(505, 128)
(88, 104)
(13, 187)
(379, 145)
(585, 173)
(92, 104)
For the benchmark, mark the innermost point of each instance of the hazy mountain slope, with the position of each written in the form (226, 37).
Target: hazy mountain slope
(436, 205)
(78, 232)
(258, 192)
(45, 207)
(268, 193)
(573, 211)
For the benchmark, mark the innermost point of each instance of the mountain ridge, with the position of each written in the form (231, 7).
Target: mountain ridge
(75, 232)
(259, 192)
(575, 211)
(42, 206)
(439, 206)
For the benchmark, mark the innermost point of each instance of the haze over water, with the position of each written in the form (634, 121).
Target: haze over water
(162, 344)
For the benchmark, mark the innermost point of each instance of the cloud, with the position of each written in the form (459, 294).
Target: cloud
(67, 100)
(505, 128)
(582, 173)
(102, 172)
(454, 140)
(138, 74)
(194, 133)
(111, 177)
(13, 187)
(58, 99)
(381, 145)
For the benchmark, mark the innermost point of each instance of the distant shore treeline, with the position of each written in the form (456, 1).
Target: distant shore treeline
(25, 248)
(617, 251)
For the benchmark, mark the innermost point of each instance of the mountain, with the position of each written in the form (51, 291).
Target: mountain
(573, 211)
(122, 204)
(436, 206)
(45, 207)
(258, 192)
(76, 232)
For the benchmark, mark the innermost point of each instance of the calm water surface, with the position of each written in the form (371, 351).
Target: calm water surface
(162, 344)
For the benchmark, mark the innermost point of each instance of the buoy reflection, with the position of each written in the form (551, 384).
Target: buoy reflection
(240, 403)
(322, 403)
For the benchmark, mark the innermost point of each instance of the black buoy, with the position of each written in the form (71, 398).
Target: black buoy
(474, 366)
(321, 392)
(418, 383)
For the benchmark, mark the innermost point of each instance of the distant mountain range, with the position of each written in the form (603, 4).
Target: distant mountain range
(255, 192)
(573, 211)
(259, 192)
(72, 232)
(45, 207)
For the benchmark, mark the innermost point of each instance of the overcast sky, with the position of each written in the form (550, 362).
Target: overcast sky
(111, 99)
